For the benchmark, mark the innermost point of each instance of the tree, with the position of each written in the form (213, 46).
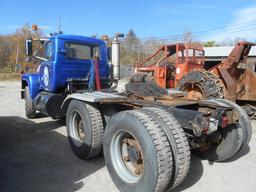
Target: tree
(131, 48)
(10, 43)
(209, 44)
(187, 36)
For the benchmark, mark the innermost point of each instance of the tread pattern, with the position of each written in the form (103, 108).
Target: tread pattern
(245, 123)
(211, 84)
(162, 146)
(178, 142)
(29, 107)
(97, 131)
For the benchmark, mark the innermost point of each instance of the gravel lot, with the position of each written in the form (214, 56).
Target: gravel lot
(35, 156)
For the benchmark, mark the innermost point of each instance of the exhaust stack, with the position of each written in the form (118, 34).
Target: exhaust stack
(116, 56)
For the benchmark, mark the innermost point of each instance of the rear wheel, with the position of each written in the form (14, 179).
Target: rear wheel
(137, 153)
(178, 142)
(229, 142)
(223, 149)
(29, 106)
(244, 123)
(84, 129)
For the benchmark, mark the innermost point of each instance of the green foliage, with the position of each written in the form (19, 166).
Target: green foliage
(9, 44)
(209, 44)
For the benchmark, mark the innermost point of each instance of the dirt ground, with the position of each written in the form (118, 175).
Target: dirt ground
(35, 156)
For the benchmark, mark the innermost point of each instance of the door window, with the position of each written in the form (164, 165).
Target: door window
(81, 51)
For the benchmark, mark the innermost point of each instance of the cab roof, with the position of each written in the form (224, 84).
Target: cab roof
(78, 38)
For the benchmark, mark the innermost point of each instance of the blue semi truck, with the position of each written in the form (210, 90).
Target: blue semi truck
(147, 132)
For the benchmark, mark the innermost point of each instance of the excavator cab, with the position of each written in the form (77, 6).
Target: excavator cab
(170, 62)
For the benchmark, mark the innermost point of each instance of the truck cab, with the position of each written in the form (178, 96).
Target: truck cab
(66, 64)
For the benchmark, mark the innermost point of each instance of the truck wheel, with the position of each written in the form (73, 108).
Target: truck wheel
(228, 146)
(137, 153)
(177, 140)
(244, 123)
(29, 106)
(224, 149)
(201, 84)
(84, 129)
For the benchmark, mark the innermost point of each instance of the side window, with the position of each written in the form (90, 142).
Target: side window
(181, 56)
(49, 50)
(81, 51)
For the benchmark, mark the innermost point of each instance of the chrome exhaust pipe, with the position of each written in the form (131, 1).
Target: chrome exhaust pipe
(116, 56)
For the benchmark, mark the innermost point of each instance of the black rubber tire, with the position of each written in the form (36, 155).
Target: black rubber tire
(157, 169)
(228, 146)
(225, 150)
(91, 145)
(211, 85)
(177, 140)
(244, 123)
(237, 133)
(29, 106)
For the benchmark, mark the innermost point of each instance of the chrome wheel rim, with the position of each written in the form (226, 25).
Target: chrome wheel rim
(77, 128)
(127, 157)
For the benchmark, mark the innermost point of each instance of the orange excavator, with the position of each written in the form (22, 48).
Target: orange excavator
(170, 62)
(231, 79)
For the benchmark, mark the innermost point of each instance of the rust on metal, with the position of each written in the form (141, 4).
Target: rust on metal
(240, 83)
(167, 65)
(136, 161)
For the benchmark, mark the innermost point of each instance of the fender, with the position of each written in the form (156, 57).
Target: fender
(93, 97)
(33, 82)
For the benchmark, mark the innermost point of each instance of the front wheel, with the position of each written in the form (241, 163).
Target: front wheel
(137, 153)
(29, 106)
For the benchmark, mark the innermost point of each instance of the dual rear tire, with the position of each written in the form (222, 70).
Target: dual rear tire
(145, 150)
(162, 149)
(84, 129)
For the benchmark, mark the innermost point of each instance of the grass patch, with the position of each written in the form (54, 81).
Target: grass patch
(9, 76)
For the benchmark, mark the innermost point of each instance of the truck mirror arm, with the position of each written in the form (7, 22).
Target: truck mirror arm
(37, 57)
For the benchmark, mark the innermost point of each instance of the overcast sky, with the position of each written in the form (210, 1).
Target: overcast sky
(207, 19)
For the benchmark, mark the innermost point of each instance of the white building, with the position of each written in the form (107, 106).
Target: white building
(214, 55)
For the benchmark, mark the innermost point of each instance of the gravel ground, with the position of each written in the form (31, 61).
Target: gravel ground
(35, 156)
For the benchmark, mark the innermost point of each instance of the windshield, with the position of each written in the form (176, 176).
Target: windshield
(49, 50)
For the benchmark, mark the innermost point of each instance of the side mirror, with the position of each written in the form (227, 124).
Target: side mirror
(29, 47)
(109, 53)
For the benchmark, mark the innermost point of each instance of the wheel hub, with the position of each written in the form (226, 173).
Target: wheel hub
(133, 154)
(78, 126)
(127, 156)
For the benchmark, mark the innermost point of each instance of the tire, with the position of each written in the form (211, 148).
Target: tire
(178, 142)
(244, 123)
(84, 129)
(224, 150)
(201, 84)
(230, 144)
(29, 106)
(153, 153)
